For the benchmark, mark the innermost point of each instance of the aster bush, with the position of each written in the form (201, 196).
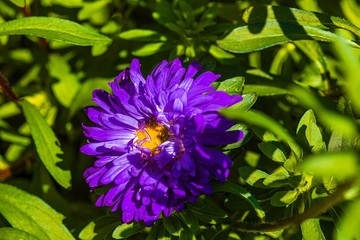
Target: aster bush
(179, 119)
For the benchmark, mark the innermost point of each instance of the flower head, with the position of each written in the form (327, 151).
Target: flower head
(153, 139)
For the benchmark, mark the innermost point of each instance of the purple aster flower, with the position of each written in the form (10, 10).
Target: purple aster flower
(153, 139)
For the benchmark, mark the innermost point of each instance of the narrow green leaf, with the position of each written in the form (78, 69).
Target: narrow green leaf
(259, 36)
(145, 35)
(331, 119)
(19, 3)
(347, 229)
(340, 165)
(264, 84)
(241, 192)
(47, 145)
(127, 230)
(256, 118)
(54, 29)
(284, 198)
(151, 48)
(350, 70)
(311, 229)
(30, 214)
(13, 233)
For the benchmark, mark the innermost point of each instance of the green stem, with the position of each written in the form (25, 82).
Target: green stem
(312, 212)
(5, 87)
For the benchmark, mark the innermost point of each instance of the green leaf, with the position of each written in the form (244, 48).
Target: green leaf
(99, 228)
(350, 70)
(54, 29)
(151, 48)
(190, 220)
(232, 85)
(208, 211)
(252, 176)
(347, 229)
(13, 233)
(64, 3)
(241, 192)
(47, 145)
(67, 84)
(311, 229)
(277, 180)
(156, 232)
(261, 14)
(172, 225)
(308, 131)
(331, 119)
(264, 84)
(222, 234)
(272, 151)
(256, 118)
(340, 165)
(246, 103)
(30, 214)
(83, 98)
(284, 198)
(186, 234)
(259, 36)
(127, 230)
(19, 3)
(144, 35)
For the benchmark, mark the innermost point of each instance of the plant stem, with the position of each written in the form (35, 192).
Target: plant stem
(6, 89)
(312, 212)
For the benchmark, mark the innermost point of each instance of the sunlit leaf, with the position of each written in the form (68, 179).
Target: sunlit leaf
(151, 48)
(340, 165)
(19, 3)
(232, 85)
(258, 36)
(13, 233)
(284, 198)
(54, 29)
(272, 151)
(142, 35)
(30, 214)
(311, 229)
(47, 145)
(126, 230)
(260, 14)
(351, 218)
(99, 228)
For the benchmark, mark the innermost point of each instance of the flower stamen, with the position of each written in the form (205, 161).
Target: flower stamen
(152, 136)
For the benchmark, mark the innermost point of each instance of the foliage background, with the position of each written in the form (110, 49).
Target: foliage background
(295, 175)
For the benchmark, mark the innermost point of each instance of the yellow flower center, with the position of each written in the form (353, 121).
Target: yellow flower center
(152, 136)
